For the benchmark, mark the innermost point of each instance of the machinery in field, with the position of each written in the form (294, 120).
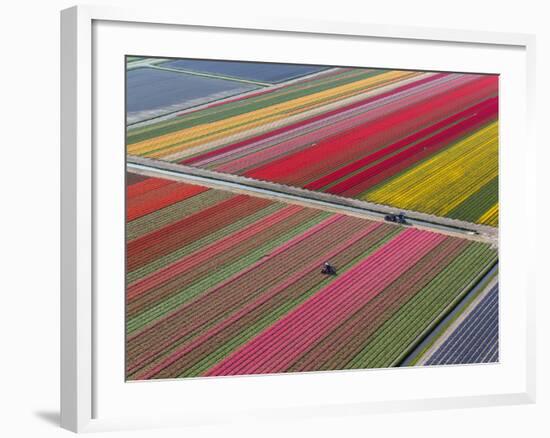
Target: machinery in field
(396, 218)
(328, 269)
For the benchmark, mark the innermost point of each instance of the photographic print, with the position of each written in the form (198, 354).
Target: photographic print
(296, 218)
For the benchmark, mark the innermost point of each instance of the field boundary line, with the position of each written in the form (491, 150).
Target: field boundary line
(469, 307)
(327, 201)
(426, 340)
(154, 64)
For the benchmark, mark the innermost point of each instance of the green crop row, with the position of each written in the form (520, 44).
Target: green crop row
(231, 109)
(275, 314)
(206, 240)
(221, 274)
(165, 216)
(417, 314)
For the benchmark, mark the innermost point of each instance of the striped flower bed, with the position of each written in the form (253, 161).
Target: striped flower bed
(361, 133)
(229, 284)
(474, 339)
(461, 182)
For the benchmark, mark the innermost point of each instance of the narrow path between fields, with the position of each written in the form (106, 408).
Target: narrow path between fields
(154, 64)
(151, 167)
(172, 114)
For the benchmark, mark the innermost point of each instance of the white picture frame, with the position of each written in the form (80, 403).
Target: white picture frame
(85, 176)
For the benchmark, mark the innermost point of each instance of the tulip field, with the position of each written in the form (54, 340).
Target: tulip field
(223, 283)
(421, 141)
(228, 274)
(474, 339)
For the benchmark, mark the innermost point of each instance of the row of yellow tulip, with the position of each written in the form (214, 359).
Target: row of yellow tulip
(449, 180)
(170, 146)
